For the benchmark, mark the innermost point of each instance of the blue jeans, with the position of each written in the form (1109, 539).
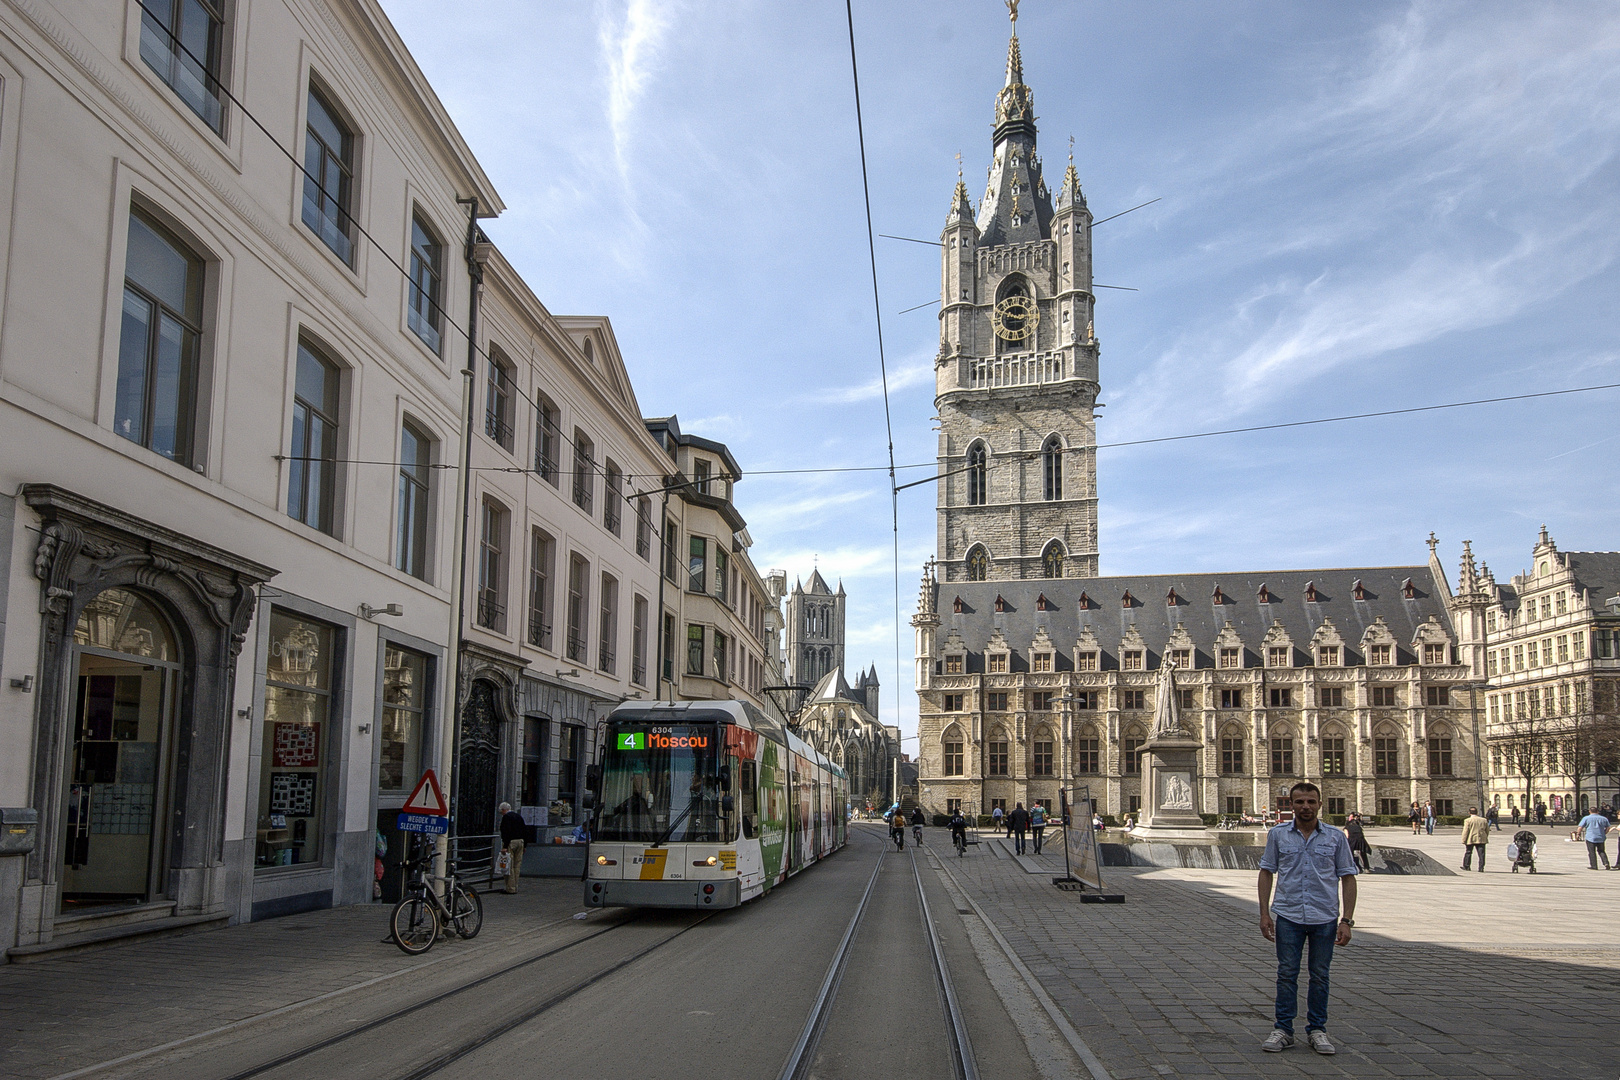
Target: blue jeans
(1291, 938)
(1019, 843)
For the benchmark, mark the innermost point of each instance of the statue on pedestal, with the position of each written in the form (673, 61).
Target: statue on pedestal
(1167, 706)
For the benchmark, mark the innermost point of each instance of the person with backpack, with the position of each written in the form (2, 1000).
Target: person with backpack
(1037, 824)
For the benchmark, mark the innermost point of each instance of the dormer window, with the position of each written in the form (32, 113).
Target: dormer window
(1280, 656)
(1219, 597)
(956, 605)
(1231, 658)
(1001, 605)
(1182, 658)
(1408, 590)
(996, 663)
(1435, 654)
(1040, 662)
(1042, 603)
(955, 664)
(1085, 661)
(1310, 592)
(1127, 600)
(1132, 660)
(1378, 655)
(1357, 591)
(1264, 594)
(1171, 598)
(1084, 602)
(1327, 656)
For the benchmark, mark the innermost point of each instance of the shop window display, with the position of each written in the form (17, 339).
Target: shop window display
(297, 708)
(404, 694)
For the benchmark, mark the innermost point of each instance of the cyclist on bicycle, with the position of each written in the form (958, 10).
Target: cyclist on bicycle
(959, 832)
(897, 828)
(917, 824)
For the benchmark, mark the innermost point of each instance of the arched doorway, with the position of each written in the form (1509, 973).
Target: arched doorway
(478, 786)
(127, 665)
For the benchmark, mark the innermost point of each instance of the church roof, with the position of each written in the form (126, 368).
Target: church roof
(818, 585)
(1301, 601)
(833, 687)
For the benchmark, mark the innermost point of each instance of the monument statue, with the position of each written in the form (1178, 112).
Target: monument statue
(1167, 706)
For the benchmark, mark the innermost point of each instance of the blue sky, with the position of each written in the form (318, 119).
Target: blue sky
(1364, 207)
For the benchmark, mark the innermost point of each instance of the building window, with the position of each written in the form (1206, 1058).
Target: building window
(644, 527)
(532, 793)
(1437, 695)
(570, 749)
(996, 701)
(1333, 756)
(1335, 806)
(721, 572)
(579, 585)
(1052, 560)
(978, 564)
(1439, 757)
(1563, 649)
(1131, 753)
(329, 177)
(298, 733)
(1390, 808)
(1231, 756)
(607, 624)
(1052, 473)
(953, 703)
(669, 648)
(1186, 698)
(672, 560)
(584, 471)
(976, 488)
(1181, 658)
(159, 342)
(1231, 658)
(547, 436)
(1133, 699)
(1131, 661)
(1386, 757)
(694, 650)
(1234, 805)
(1087, 756)
(998, 756)
(1282, 757)
(697, 566)
(1330, 697)
(1231, 699)
(404, 699)
(953, 753)
(415, 462)
(955, 664)
(721, 656)
(953, 807)
(1434, 654)
(1040, 662)
(1383, 697)
(1443, 808)
(1327, 656)
(1086, 661)
(613, 498)
(498, 398)
(1378, 655)
(183, 41)
(1518, 658)
(1042, 765)
(492, 567)
(1280, 656)
(424, 312)
(1133, 804)
(312, 478)
(996, 663)
(1282, 697)
(542, 552)
(1041, 701)
(638, 642)
(700, 476)
(1088, 700)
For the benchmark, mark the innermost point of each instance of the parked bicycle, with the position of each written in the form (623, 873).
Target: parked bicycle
(423, 913)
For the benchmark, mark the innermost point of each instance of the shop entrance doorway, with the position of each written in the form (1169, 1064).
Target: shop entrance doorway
(117, 785)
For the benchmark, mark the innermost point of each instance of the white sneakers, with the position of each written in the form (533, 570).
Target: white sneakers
(1319, 1042)
(1280, 1040)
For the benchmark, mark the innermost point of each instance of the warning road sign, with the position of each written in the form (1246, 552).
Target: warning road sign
(426, 798)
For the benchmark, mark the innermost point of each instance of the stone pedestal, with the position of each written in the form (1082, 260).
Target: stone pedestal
(1170, 786)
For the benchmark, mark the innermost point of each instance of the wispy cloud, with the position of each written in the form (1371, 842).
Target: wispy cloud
(630, 40)
(914, 373)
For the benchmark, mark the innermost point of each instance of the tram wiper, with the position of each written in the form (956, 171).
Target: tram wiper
(677, 822)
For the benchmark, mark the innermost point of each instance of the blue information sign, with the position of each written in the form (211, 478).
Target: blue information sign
(423, 823)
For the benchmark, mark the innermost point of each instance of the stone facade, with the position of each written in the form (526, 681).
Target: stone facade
(842, 722)
(815, 632)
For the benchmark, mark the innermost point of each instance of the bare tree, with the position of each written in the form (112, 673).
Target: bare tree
(1588, 746)
(1523, 743)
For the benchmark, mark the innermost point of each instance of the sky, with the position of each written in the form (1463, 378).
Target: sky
(1363, 207)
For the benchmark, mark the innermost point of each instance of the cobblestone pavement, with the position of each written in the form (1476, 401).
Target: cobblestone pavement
(1489, 974)
(64, 1013)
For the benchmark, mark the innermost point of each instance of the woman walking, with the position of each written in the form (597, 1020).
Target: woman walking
(1415, 816)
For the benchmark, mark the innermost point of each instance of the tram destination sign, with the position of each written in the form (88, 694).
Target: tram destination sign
(665, 738)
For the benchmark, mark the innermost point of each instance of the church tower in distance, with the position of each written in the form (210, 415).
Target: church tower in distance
(1016, 374)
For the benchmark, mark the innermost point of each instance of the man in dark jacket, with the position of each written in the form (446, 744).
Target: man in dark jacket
(1018, 824)
(513, 832)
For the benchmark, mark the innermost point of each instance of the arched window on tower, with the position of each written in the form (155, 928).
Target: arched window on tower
(1052, 559)
(978, 564)
(977, 491)
(1052, 469)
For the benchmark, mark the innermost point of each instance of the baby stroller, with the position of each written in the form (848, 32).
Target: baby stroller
(1523, 850)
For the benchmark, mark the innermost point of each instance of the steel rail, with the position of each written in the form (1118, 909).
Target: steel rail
(961, 1046)
(803, 1054)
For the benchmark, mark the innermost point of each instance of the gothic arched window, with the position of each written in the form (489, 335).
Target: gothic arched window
(1052, 559)
(978, 564)
(977, 491)
(1052, 469)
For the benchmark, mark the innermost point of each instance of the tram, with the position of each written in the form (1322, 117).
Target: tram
(707, 804)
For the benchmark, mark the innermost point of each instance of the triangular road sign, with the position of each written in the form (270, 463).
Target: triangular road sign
(426, 798)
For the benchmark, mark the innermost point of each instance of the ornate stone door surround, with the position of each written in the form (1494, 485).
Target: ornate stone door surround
(208, 595)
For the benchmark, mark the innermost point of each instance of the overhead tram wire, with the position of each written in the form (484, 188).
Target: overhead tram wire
(883, 368)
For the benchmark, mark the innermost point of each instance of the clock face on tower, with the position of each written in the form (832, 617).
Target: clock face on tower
(1015, 318)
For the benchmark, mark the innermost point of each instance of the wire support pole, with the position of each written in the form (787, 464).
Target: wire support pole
(475, 276)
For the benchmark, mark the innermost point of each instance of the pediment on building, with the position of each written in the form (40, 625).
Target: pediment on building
(1228, 638)
(1326, 634)
(1431, 632)
(1378, 633)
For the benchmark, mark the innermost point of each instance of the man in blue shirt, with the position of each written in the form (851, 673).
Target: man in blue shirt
(1595, 827)
(1309, 863)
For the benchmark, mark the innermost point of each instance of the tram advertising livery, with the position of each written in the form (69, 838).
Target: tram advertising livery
(707, 804)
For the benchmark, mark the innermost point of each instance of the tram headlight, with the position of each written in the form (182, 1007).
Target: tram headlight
(601, 860)
(712, 860)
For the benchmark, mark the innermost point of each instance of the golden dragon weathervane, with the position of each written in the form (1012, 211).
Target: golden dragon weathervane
(1012, 10)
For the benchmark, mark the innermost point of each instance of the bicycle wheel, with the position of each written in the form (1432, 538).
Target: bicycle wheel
(416, 925)
(466, 912)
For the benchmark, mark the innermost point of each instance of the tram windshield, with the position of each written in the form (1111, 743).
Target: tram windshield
(661, 783)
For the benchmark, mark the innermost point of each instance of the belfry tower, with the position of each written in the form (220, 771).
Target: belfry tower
(1016, 374)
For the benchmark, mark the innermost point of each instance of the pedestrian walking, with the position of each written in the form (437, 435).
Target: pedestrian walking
(1415, 816)
(1493, 818)
(1037, 824)
(1595, 828)
(1360, 850)
(995, 818)
(1515, 810)
(1017, 823)
(1428, 818)
(1476, 834)
(514, 830)
(1310, 864)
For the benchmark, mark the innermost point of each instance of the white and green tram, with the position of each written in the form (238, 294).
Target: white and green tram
(707, 804)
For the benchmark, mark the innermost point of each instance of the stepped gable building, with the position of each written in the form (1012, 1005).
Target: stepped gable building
(1016, 372)
(842, 721)
(1347, 678)
(1547, 645)
(815, 631)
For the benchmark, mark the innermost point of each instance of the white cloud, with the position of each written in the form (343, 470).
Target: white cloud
(630, 40)
(915, 373)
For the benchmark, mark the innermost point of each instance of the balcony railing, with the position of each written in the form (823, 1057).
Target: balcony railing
(611, 516)
(638, 672)
(539, 631)
(491, 612)
(546, 465)
(606, 660)
(576, 646)
(582, 489)
(496, 427)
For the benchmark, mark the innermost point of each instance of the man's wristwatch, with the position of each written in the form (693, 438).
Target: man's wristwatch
(1348, 922)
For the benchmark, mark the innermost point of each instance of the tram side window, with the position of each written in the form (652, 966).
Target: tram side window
(749, 790)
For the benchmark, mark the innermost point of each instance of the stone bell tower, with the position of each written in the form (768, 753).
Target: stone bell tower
(1016, 374)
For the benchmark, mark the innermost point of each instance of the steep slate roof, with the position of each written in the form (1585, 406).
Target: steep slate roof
(833, 687)
(1155, 620)
(1597, 570)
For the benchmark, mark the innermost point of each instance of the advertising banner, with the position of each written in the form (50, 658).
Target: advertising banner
(1083, 857)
